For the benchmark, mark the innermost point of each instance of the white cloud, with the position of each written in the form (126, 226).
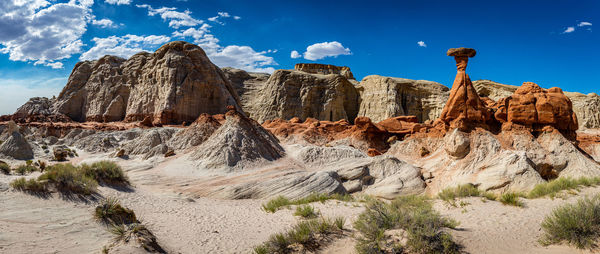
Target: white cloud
(118, 2)
(41, 32)
(241, 57)
(295, 54)
(176, 19)
(104, 23)
(325, 49)
(421, 44)
(221, 15)
(584, 23)
(15, 92)
(569, 30)
(124, 46)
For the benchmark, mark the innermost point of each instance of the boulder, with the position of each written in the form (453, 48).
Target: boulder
(392, 178)
(174, 84)
(536, 107)
(291, 93)
(16, 146)
(386, 97)
(586, 107)
(456, 144)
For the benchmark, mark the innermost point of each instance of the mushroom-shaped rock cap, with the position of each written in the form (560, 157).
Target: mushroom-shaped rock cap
(461, 52)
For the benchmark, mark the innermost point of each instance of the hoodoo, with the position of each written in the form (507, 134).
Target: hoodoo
(464, 108)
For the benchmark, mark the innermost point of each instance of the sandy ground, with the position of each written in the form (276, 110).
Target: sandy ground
(31, 224)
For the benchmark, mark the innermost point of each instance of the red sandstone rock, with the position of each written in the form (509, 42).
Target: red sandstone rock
(373, 152)
(464, 108)
(534, 107)
(401, 125)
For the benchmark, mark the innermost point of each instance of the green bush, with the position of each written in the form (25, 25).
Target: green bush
(24, 169)
(280, 201)
(4, 168)
(307, 234)
(511, 198)
(31, 185)
(413, 214)
(555, 186)
(69, 179)
(105, 172)
(340, 222)
(305, 211)
(111, 211)
(576, 224)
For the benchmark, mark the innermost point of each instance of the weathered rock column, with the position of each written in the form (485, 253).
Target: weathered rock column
(464, 108)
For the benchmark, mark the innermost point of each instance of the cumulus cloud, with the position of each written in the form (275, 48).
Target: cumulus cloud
(40, 32)
(295, 54)
(118, 2)
(584, 23)
(124, 46)
(241, 57)
(421, 44)
(176, 19)
(104, 23)
(15, 92)
(569, 30)
(325, 49)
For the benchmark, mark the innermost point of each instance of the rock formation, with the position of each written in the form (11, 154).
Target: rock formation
(290, 93)
(239, 143)
(464, 108)
(15, 146)
(35, 106)
(175, 84)
(247, 85)
(196, 133)
(386, 97)
(586, 107)
(324, 69)
(536, 107)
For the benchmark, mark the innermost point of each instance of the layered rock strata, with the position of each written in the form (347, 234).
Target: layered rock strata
(324, 69)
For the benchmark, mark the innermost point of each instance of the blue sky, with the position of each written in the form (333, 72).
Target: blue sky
(551, 43)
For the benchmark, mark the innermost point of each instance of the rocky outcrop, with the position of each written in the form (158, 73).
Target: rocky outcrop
(198, 132)
(238, 144)
(324, 69)
(35, 106)
(15, 145)
(464, 109)
(290, 93)
(175, 84)
(586, 107)
(386, 97)
(247, 86)
(536, 107)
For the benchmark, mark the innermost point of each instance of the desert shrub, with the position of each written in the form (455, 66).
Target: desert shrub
(280, 201)
(555, 186)
(489, 195)
(4, 168)
(306, 234)
(576, 224)
(24, 169)
(340, 222)
(511, 198)
(276, 203)
(69, 179)
(466, 190)
(111, 211)
(413, 214)
(31, 185)
(305, 211)
(105, 172)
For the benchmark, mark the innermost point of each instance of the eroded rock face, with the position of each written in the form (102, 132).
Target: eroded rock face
(386, 97)
(464, 109)
(290, 93)
(15, 145)
(247, 86)
(35, 106)
(324, 69)
(175, 84)
(534, 106)
(586, 107)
